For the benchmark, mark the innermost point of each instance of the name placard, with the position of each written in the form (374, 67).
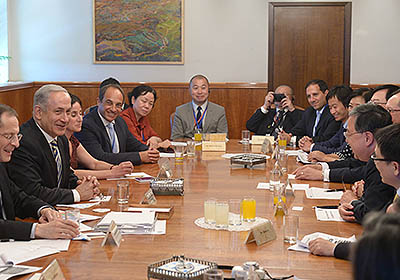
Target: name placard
(259, 139)
(210, 146)
(149, 198)
(214, 137)
(261, 233)
(113, 235)
(52, 272)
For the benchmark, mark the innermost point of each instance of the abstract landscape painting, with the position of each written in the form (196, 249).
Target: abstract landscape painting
(138, 31)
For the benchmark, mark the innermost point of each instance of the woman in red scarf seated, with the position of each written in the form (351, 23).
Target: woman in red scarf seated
(141, 101)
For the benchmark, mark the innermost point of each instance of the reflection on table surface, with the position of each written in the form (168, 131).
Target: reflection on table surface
(207, 175)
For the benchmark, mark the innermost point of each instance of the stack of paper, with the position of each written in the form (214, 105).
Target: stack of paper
(302, 246)
(303, 157)
(129, 223)
(321, 193)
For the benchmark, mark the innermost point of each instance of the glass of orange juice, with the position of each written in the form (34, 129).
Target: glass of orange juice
(249, 209)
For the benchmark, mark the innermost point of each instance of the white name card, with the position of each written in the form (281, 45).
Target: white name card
(259, 139)
(113, 235)
(214, 137)
(52, 272)
(261, 233)
(210, 146)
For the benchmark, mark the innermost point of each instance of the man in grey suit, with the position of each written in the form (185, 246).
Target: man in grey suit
(199, 114)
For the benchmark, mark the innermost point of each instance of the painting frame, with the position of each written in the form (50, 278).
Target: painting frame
(154, 49)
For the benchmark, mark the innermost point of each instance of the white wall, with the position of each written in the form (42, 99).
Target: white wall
(51, 40)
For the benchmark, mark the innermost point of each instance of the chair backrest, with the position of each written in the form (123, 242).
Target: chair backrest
(89, 109)
(171, 119)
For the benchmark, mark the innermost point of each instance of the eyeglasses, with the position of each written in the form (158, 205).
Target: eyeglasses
(347, 134)
(391, 110)
(12, 137)
(374, 158)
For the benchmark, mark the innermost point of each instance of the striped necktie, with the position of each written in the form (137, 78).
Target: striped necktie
(198, 117)
(111, 131)
(57, 158)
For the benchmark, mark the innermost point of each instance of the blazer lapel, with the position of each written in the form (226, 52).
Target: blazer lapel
(321, 119)
(103, 130)
(209, 114)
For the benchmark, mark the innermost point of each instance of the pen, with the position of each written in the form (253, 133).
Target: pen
(335, 190)
(6, 240)
(326, 207)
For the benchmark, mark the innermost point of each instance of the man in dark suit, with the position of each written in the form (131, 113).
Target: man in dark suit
(363, 122)
(278, 113)
(317, 123)
(106, 136)
(41, 165)
(15, 202)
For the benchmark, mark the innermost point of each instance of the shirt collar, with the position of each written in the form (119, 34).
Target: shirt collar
(346, 123)
(105, 122)
(46, 135)
(398, 193)
(321, 110)
(203, 107)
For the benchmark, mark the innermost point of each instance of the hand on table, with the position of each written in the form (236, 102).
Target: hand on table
(345, 211)
(322, 247)
(57, 229)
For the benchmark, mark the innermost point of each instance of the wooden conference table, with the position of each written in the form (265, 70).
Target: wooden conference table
(207, 175)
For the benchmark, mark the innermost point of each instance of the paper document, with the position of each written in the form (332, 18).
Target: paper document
(263, 186)
(83, 227)
(292, 152)
(328, 215)
(160, 210)
(105, 198)
(167, 155)
(15, 252)
(320, 193)
(159, 228)
(302, 246)
(86, 217)
(174, 143)
(303, 157)
(8, 272)
(79, 205)
(291, 176)
(300, 187)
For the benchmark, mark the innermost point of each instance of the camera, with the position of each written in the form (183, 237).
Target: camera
(278, 97)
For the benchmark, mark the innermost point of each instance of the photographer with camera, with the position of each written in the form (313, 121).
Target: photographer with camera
(277, 113)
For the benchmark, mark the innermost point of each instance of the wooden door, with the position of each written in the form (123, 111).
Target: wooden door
(308, 41)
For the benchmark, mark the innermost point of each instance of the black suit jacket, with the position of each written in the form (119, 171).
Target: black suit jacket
(94, 138)
(261, 123)
(348, 171)
(376, 196)
(33, 168)
(326, 128)
(16, 203)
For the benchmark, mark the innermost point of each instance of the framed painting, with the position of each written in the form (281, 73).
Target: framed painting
(138, 31)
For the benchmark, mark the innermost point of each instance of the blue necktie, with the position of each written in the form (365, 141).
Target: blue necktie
(57, 158)
(200, 125)
(316, 122)
(111, 131)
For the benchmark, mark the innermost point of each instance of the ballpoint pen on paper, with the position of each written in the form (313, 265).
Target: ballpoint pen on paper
(326, 207)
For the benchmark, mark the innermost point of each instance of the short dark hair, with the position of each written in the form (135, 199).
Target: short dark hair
(198, 76)
(109, 81)
(141, 90)
(342, 93)
(370, 117)
(376, 253)
(390, 90)
(75, 99)
(5, 109)
(365, 92)
(104, 89)
(388, 140)
(321, 83)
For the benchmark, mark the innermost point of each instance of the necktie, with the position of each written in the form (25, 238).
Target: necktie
(198, 116)
(278, 117)
(111, 131)
(3, 212)
(57, 158)
(316, 122)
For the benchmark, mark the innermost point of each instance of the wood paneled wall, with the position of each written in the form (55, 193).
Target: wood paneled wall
(239, 99)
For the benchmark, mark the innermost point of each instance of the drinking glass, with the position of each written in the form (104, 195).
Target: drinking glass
(209, 211)
(179, 150)
(274, 179)
(221, 214)
(290, 229)
(190, 150)
(73, 215)
(283, 160)
(214, 274)
(249, 209)
(122, 192)
(245, 137)
(235, 212)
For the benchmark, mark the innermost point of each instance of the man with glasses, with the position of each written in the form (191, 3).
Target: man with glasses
(106, 136)
(16, 203)
(387, 161)
(364, 120)
(393, 106)
(381, 94)
(40, 166)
